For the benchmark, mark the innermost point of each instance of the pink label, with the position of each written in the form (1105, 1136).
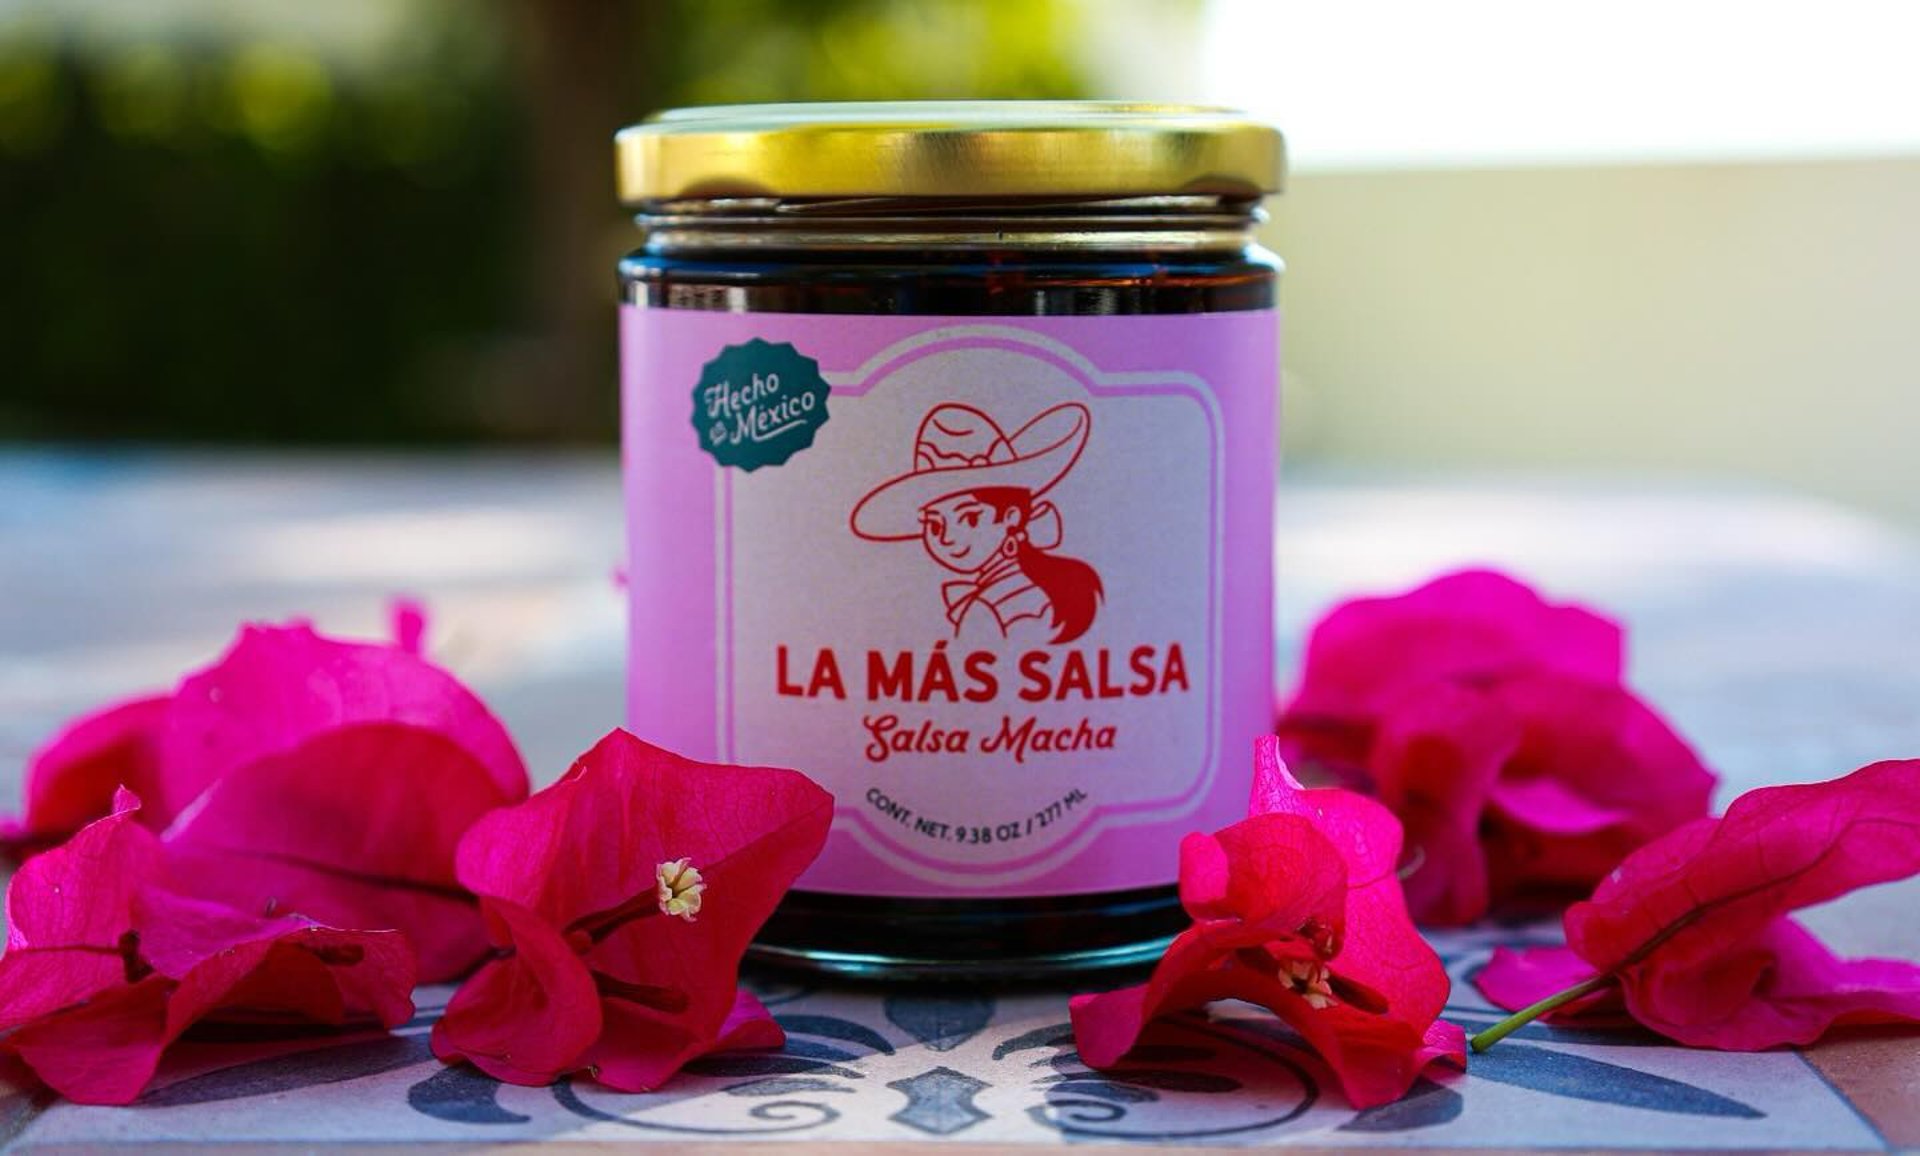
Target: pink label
(1002, 585)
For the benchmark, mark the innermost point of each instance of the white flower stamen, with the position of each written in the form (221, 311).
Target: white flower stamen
(1311, 980)
(679, 888)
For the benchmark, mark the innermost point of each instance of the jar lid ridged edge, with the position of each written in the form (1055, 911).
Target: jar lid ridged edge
(948, 149)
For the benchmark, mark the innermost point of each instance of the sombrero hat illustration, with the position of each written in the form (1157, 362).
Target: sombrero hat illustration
(959, 448)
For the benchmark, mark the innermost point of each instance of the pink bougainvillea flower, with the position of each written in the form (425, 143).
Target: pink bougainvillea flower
(1435, 759)
(356, 826)
(1298, 909)
(303, 775)
(1691, 932)
(278, 686)
(1596, 774)
(620, 901)
(71, 780)
(335, 779)
(106, 965)
(1473, 627)
(1495, 725)
(274, 688)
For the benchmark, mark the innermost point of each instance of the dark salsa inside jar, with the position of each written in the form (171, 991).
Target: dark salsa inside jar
(1004, 258)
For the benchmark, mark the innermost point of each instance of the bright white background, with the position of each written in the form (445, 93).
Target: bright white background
(1382, 83)
(1666, 239)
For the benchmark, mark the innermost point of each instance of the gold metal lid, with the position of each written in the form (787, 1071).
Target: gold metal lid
(948, 149)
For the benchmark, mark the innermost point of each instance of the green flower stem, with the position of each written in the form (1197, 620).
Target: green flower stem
(1481, 1041)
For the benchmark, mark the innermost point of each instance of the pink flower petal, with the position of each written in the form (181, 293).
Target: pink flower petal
(368, 975)
(642, 1049)
(278, 686)
(356, 826)
(67, 913)
(1381, 948)
(1195, 971)
(1495, 725)
(1385, 953)
(1307, 881)
(1598, 773)
(409, 625)
(527, 1018)
(1784, 988)
(749, 1026)
(584, 856)
(296, 983)
(1374, 1057)
(1474, 626)
(1552, 807)
(1516, 979)
(1694, 925)
(71, 780)
(106, 1051)
(1270, 869)
(1106, 1025)
(327, 974)
(1435, 761)
(105, 966)
(1777, 849)
(1366, 834)
(102, 1052)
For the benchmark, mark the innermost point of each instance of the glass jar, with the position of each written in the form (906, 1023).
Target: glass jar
(949, 441)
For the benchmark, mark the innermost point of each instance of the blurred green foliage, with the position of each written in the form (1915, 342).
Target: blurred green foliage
(239, 241)
(751, 51)
(245, 224)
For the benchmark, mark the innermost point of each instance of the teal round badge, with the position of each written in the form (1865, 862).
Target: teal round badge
(758, 404)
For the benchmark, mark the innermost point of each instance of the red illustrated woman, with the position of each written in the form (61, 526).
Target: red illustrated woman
(974, 499)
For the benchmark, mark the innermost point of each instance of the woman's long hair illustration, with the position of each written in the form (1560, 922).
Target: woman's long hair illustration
(1072, 587)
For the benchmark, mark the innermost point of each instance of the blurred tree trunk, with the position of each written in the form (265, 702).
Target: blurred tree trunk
(583, 63)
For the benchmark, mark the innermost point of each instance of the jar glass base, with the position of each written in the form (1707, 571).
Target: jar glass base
(852, 965)
(866, 937)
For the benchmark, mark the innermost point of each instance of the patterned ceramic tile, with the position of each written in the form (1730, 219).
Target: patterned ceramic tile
(931, 1065)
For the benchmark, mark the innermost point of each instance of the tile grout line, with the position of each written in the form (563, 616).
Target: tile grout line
(1872, 1124)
